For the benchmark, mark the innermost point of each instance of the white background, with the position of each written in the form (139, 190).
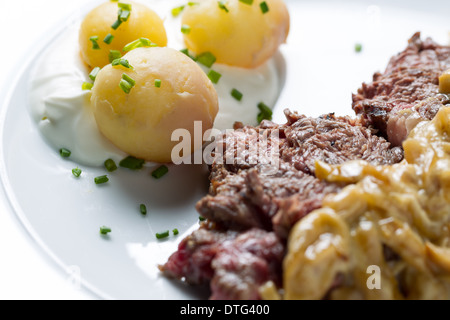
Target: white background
(25, 272)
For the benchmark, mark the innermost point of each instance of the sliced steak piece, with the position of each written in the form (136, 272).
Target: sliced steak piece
(407, 92)
(333, 140)
(242, 196)
(235, 265)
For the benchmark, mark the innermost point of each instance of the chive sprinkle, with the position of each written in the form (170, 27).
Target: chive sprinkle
(94, 40)
(123, 15)
(101, 179)
(160, 172)
(185, 29)
(175, 232)
(222, 5)
(108, 39)
(116, 24)
(110, 165)
(207, 59)
(125, 86)
(132, 163)
(236, 94)
(122, 62)
(141, 42)
(143, 209)
(127, 83)
(358, 47)
(93, 74)
(249, 2)
(201, 218)
(114, 55)
(265, 112)
(87, 86)
(163, 235)
(76, 172)
(158, 83)
(105, 230)
(65, 153)
(264, 7)
(128, 79)
(176, 11)
(214, 76)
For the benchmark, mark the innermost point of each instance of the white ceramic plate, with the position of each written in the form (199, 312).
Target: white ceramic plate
(64, 214)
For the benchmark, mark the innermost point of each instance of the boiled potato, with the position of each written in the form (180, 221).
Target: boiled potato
(141, 122)
(244, 36)
(142, 23)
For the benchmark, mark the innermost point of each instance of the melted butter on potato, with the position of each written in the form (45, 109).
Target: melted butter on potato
(243, 37)
(141, 123)
(142, 23)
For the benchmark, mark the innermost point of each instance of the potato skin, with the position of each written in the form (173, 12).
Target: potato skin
(141, 123)
(243, 36)
(142, 23)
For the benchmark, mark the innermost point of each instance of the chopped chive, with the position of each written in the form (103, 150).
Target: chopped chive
(163, 235)
(101, 179)
(87, 86)
(265, 112)
(160, 172)
(76, 172)
(214, 76)
(264, 7)
(65, 153)
(147, 43)
(143, 209)
(132, 45)
(132, 163)
(201, 218)
(94, 72)
(158, 83)
(236, 94)
(141, 42)
(249, 2)
(114, 55)
(185, 29)
(123, 15)
(222, 5)
(191, 3)
(110, 165)
(108, 39)
(125, 86)
(122, 62)
(207, 59)
(116, 24)
(176, 11)
(128, 79)
(358, 47)
(124, 6)
(94, 40)
(175, 232)
(105, 230)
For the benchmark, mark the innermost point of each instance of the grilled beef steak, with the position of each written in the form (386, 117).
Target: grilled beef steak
(407, 92)
(242, 197)
(260, 206)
